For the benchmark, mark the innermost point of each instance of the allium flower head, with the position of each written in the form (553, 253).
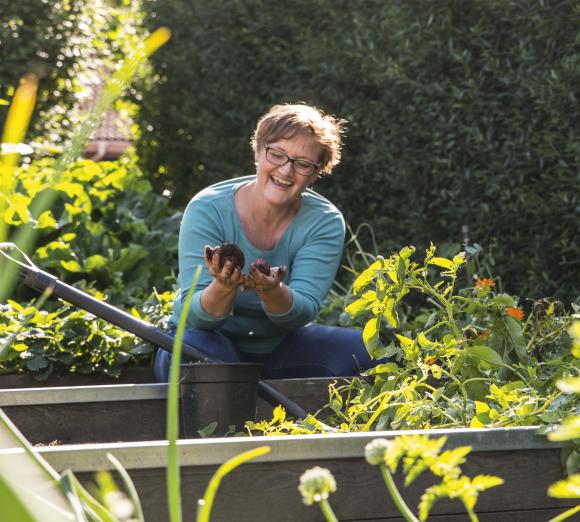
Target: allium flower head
(316, 484)
(376, 450)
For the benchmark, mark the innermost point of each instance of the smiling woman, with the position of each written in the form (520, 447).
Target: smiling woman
(273, 216)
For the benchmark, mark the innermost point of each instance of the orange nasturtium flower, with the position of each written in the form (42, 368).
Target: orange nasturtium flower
(483, 283)
(516, 313)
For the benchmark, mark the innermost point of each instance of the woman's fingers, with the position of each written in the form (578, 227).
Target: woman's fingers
(280, 273)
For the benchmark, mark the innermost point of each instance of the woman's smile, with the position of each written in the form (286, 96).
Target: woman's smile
(282, 183)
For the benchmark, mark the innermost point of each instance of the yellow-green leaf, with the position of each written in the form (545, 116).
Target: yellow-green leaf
(441, 261)
(436, 371)
(71, 266)
(568, 488)
(365, 302)
(481, 407)
(406, 343)
(45, 220)
(423, 341)
(367, 276)
(389, 313)
(95, 262)
(371, 334)
(569, 385)
(569, 430)
(19, 347)
(459, 259)
(69, 188)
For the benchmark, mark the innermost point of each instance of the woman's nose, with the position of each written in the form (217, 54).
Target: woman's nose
(287, 168)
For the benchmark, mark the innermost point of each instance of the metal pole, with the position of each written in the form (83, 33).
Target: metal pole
(40, 281)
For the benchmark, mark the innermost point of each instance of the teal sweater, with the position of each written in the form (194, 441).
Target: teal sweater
(310, 248)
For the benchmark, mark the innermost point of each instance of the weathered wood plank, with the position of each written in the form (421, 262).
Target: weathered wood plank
(268, 491)
(79, 423)
(121, 412)
(131, 375)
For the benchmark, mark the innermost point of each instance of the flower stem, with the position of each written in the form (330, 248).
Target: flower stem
(327, 511)
(472, 515)
(396, 496)
(566, 514)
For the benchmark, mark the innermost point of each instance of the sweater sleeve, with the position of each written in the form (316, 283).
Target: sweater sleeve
(313, 270)
(201, 225)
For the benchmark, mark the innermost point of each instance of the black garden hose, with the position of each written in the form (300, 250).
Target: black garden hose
(35, 278)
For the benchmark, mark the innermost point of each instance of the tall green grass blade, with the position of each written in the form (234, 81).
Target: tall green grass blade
(93, 509)
(173, 479)
(129, 487)
(205, 505)
(67, 484)
(11, 437)
(28, 486)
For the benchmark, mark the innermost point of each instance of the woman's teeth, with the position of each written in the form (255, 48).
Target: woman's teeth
(279, 181)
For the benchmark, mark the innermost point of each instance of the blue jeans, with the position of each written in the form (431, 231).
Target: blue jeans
(310, 351)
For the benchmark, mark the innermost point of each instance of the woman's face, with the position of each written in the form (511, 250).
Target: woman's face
(281, 184)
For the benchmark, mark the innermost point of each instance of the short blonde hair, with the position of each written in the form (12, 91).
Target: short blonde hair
(286, 120)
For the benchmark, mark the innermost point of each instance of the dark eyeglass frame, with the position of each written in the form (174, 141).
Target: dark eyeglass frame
(291, 160)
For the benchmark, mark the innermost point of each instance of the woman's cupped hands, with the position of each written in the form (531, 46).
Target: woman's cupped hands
(227, 272)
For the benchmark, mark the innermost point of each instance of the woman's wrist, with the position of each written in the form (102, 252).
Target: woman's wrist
(269, 289)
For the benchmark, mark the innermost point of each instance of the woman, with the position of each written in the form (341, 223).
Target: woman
(273, 215)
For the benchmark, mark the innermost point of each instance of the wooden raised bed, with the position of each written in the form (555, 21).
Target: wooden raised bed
(119, 412)
(265, 490)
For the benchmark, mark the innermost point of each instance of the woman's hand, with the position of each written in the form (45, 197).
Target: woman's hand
(260, 282)
(228, 276)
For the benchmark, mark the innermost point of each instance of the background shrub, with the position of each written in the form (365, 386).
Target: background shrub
(461, 113)
(106, 230)
(107, 233)
(67, 44)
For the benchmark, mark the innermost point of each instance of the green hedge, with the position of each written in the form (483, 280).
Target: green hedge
(461, 112)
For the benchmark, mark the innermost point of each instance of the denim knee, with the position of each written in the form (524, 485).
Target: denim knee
(210, 342)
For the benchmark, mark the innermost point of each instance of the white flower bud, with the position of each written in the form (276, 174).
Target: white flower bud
(376, 450)
(316, 484)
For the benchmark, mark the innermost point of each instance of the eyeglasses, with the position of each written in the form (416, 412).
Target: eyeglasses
(300, 166)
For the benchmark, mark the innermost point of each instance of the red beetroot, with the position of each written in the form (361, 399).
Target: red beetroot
(262, 266)
(228, 252)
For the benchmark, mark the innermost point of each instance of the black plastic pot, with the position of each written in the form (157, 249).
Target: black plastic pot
(218, 392)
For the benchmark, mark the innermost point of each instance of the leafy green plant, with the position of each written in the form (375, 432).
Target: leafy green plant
(101, 227)
(569, 430)
(450, 354)
(52, 496)
(417, 453)
(71, 340)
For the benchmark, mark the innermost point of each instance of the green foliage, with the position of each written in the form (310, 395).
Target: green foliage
(106, 229)
(454, 354)
(63, 44)
(461, 113)
(416, 454)
(69, 339)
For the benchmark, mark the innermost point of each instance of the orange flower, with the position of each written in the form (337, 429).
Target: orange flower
(483, 283)
(484, 335)
(431, 360)
(516, 313)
